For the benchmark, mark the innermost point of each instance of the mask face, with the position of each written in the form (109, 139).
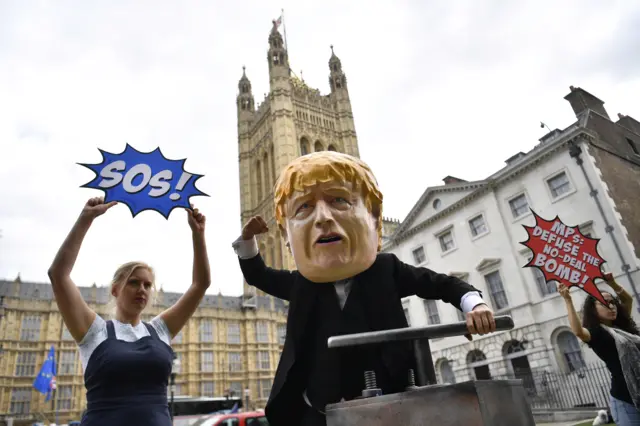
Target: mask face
(332, 234)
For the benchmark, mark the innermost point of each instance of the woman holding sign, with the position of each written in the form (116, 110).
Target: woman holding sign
(126, 362)
(613, 335)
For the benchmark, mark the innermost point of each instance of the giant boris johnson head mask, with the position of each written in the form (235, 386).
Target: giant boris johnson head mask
(329, 210)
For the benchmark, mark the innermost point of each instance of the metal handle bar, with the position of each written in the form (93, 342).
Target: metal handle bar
(503, 322)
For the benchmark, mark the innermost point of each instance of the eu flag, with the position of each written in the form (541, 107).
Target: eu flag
(45, 382)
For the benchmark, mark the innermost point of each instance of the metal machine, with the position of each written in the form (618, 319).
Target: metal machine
(471, 403)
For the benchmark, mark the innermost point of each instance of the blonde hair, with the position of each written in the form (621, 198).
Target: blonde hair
(327, 166)
(122, 275)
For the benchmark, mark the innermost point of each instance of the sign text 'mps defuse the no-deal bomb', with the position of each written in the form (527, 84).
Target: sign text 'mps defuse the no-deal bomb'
(564, 254)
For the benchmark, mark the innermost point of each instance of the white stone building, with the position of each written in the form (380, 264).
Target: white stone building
(474, 229)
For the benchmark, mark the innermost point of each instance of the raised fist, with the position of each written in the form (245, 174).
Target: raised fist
(96, 207)
(564, 291)
(196, 220)
(255, 226)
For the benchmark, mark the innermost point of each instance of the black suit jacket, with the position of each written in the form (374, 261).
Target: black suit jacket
(382, 287)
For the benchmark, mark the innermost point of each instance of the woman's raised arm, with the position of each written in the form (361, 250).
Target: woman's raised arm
(574, 321)
(625, 298)
(177, 315)
(76, 314)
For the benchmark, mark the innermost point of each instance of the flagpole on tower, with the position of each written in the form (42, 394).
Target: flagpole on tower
(284, 30)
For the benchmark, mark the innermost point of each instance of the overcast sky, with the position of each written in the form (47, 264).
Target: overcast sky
(438, 88)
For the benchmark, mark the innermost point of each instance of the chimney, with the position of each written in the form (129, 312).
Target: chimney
(551, 135)
(629, 123)
(450, 180)
(581, 100)
(16, 286)
(514, 158)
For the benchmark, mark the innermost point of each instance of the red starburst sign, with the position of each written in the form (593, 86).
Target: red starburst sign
(565, 255)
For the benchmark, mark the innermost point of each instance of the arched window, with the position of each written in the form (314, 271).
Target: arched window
(278, 245)
(318, 147)
(512, 347)
(331, 148)
(259, 180)
(518, 363)
(569, 347)
(266, 174)
(446, 372)
(476, 356)
(477, 362)
(304, 146)
(545, 287)
(273, 256)
(273, 165)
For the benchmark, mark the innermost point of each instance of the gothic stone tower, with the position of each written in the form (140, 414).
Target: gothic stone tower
(293, 120)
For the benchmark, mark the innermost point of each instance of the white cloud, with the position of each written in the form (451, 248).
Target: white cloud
(437, 88)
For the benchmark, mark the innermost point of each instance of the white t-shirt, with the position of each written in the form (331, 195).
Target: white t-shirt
(97, 334)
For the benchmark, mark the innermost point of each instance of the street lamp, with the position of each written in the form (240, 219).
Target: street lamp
(175, 367)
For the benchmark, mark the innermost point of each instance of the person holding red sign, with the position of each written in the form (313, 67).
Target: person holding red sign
(613, 335)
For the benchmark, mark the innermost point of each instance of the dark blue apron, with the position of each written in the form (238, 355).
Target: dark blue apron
(127, 382)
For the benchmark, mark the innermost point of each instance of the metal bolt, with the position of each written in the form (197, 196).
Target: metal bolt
(371, 387)
(412, 380)
(370, 379)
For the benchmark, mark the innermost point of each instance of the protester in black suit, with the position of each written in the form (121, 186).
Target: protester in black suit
(329, 211)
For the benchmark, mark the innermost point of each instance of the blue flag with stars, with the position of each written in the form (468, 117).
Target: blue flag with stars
(45, 382)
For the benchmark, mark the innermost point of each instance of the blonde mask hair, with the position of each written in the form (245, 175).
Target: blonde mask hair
(122, 275)
(327, 166)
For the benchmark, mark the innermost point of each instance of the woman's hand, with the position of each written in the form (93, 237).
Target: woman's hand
(96, 207)
(608, 277)
(564, 291)
(625, 298)
(196, 221)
